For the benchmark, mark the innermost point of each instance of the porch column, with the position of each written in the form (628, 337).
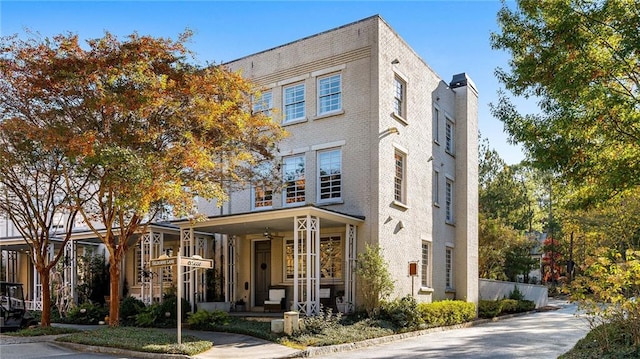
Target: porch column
(198, 295)
(230, 267)
(306, 265)
(186, 250)
(350, 266)
(70, 271)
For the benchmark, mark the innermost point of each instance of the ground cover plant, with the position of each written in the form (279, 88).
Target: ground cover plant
(39, 331)
(607, 341)
(148, 340)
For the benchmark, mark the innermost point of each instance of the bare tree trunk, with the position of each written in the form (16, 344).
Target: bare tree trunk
(45, 321)
(114, 306)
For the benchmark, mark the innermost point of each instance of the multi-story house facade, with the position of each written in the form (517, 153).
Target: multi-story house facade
(381, 152)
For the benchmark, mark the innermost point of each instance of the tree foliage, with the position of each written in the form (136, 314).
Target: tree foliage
(580, 59)
(144, 127)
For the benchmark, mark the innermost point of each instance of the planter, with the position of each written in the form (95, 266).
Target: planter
(211, 306)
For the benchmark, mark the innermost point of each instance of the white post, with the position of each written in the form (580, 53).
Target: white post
(179, 295)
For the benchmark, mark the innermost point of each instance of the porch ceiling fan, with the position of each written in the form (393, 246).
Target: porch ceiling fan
(269, 235)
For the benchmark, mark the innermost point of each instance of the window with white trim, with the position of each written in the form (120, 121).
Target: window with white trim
(329, 94)
(331, 258)
(426, 264)
(294, 103)
(449, 133)
(436, 187)
(261, 190)
(436, 125)
(330, 175)
(294, 180)
(263, 103)
(399, 94)
(399, 180)
(449, 268)
(449, 201)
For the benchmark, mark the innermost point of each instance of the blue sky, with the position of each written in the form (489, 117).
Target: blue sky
(451, 36)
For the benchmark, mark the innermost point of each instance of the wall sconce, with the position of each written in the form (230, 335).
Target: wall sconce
(395, 62)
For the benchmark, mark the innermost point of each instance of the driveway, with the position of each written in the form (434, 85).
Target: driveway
(543, 335)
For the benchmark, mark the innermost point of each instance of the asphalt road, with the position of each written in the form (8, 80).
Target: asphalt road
(543, 335)
(16, 350)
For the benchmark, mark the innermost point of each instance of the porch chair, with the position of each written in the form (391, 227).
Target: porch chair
(276, 300)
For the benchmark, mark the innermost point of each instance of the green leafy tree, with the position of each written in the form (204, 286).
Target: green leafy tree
(580, 59)
(374, 278)
(144, 127)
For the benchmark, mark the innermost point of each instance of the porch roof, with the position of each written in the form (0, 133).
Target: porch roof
(272, 220)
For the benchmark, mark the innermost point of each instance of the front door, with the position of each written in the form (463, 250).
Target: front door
(262, 271)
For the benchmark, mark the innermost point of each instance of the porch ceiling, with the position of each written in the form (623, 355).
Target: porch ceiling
(275, 221)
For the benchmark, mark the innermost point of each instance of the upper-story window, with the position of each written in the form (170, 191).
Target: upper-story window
(449, 201)
(294, 180)
(436, 187)
(294, 103)
(449, 133)
(329, 94)
(399, 181)
(330, 175)
(263, 103)
(262, 196)
(399, 94)
(436, 125)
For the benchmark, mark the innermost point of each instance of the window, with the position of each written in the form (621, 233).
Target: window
(262, 197)
(449, 201)
(329, 94)
(449, 268)
(294, 181)
(330, 175)
(426, 264)
(399, 97)
(436, 125)
(262, 191)
(263, 103)
(436, 187)
(399, 178)
(450, 145)
(331, 259)
(294, 103)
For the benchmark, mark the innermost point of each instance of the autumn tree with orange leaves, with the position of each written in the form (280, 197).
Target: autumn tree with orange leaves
(144, 127)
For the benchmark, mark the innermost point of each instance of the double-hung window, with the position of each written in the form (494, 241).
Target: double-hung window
(449, 133)
(399, 180)
(330, 175)
(294, 180)
(329, 94)
(449, 268)
(331, 258)
(263, 103)
(294, 103)
(262, 191)
(426, 264)
(436, 188)
(449, 201)
(399, 95)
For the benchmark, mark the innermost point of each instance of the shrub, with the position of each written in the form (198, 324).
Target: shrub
(129, 308)
(509, 306)
(402, 313)
(205, 320)
(516, 294)
(447, 312)
(375, 278)
(326, 319)
(162, 315)
(86, 313)
(489, 308)
(526, 305)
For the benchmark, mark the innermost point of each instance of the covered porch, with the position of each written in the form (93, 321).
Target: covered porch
(305, 253)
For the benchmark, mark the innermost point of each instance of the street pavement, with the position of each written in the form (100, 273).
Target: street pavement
(542, 335)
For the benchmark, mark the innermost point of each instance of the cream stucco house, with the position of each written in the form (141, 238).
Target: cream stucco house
(382, 151)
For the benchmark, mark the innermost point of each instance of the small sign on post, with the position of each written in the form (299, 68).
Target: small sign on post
(163, 262)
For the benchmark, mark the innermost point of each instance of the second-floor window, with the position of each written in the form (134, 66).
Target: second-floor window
(436, 187)
(262, 197)
(329, 94)
(294, 180)
(263, 103)
(330, 175)
(294, 103)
